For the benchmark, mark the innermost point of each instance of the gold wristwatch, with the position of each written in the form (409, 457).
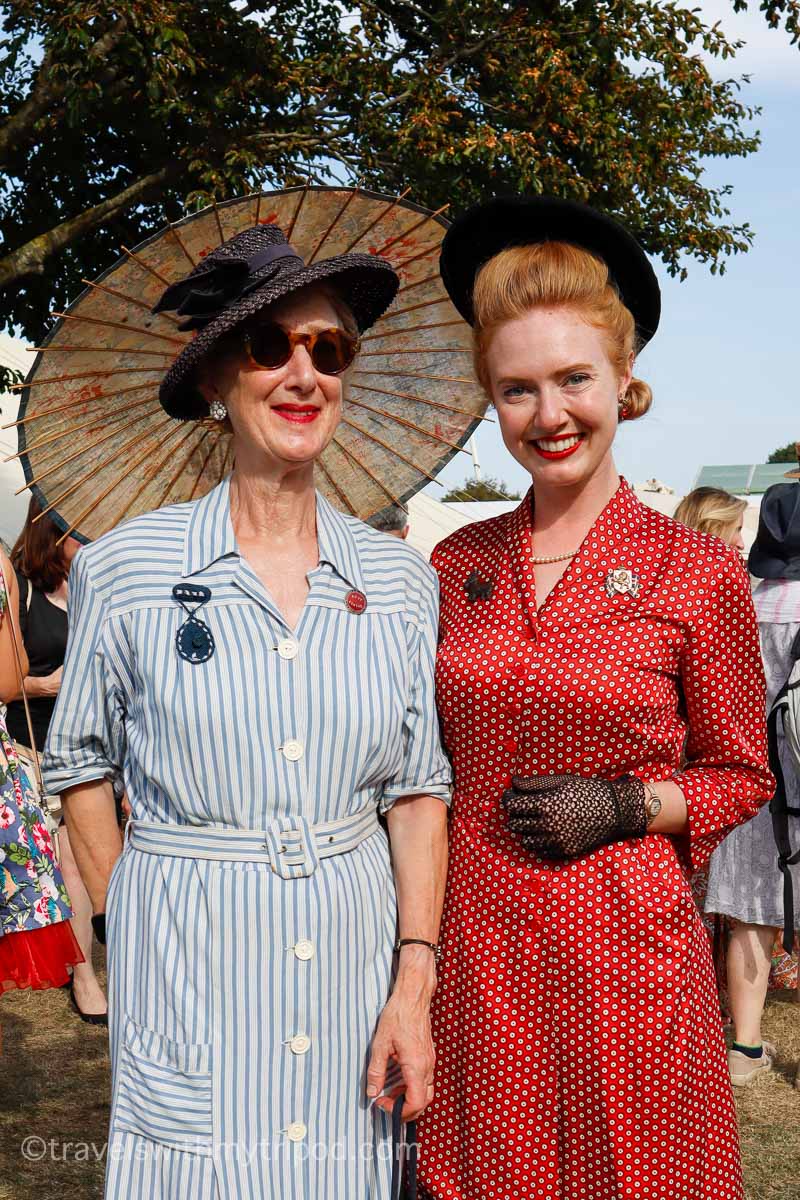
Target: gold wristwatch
(652, 804)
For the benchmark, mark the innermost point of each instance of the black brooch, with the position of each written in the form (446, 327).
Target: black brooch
(477, 588)
(194, 640)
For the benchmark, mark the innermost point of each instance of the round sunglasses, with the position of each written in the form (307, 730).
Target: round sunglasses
(271, 346)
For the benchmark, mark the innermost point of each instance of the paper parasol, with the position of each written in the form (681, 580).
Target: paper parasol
(96, 446)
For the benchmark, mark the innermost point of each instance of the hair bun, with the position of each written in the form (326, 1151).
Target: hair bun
(638, 398)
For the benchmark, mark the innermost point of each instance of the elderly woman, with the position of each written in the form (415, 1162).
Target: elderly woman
(259, 667)
(602, 697)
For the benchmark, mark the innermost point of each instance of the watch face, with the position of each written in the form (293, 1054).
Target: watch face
(653, 806)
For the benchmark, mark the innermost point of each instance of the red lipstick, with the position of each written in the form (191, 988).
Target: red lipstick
(298, 414)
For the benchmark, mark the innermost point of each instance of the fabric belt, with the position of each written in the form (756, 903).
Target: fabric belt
(290, 845)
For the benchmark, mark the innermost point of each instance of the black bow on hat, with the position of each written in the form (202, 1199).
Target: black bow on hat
(218, 282)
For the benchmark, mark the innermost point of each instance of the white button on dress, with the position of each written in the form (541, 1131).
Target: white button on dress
(300, 1043)
(296, 1131)
(292, 750)
(288, 648)
(303, 950)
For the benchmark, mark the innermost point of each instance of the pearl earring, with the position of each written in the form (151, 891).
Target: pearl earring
(217, 410)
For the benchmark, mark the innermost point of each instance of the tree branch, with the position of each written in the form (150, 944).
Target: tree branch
(31, 259)
(48, 90)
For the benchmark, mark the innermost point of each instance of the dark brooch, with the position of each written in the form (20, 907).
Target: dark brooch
(477, 588)
(194, 640)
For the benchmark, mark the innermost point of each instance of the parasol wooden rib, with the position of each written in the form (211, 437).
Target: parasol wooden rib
(399, 312)
(407, 287)
(150, 475)
(407, 262)
(109, 291)
(181, 243)
(342, 495)
(414, 375)
(332, 226)
(85, 448)
(422, 353)
(18, 387)
(140, 458)
(205, 434)
(152, 333)
(451, 408)
(220, 230)
(300, 203)
(48, 439)
(389, 416)
(43, 412)
(375, 479)
(392, 449)
(372, 337)
(144, 266)
(95, 350)
(380, 217)
(406, 233)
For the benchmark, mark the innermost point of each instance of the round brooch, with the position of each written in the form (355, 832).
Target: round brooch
(356, 601)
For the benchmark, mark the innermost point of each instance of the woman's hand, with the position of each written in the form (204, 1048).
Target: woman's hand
(565, 816)
(44, 685)
(404, 1035)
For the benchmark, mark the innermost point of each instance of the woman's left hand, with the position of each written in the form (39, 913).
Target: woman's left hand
(565, 816)
(404, 1035)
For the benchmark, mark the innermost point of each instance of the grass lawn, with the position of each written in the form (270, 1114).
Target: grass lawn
(54, 1085)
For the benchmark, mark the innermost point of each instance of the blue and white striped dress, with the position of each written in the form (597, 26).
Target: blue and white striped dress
(244, 987)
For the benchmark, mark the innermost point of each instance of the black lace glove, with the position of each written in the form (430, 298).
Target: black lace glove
(565, 816)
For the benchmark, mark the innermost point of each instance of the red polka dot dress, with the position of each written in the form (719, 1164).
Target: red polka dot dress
(580, 1051)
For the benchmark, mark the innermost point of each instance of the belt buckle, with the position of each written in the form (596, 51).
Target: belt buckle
(292, 847)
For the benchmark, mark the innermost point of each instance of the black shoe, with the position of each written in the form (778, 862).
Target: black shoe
(89, 1018)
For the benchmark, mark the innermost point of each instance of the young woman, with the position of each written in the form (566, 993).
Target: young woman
(42, 568)
(36, 941)
(711, 510)
(602, 699)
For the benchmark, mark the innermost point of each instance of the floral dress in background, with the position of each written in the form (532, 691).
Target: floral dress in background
(36, 940)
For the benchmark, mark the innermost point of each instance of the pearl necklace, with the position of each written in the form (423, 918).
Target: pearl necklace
(551, 558)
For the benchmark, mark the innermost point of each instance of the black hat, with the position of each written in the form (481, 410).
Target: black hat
(245, 274)
(488, 228)
(775, 554)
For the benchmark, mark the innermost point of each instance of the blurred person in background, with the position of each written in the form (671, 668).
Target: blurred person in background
(42, 571)
(744, 881)
(36, 941)
(393, 520)
(711, 510)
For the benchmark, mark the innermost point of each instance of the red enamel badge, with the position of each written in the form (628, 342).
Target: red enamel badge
(356, 601)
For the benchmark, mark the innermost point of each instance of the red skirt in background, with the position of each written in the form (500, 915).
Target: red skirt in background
(38, 958)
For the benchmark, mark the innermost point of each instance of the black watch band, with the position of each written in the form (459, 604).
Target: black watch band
(99, 927)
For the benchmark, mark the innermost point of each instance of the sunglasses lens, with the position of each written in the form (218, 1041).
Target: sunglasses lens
(270, 346)
(333, 352)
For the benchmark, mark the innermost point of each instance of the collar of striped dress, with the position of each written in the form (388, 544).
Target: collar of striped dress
(210, 536)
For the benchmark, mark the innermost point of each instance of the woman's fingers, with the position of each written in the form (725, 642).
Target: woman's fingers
(419, 1092)
(378, 1062)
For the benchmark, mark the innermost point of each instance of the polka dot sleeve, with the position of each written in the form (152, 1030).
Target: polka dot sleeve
(726, 778)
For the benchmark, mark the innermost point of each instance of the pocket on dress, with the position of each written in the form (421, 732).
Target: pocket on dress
(164, 1090)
